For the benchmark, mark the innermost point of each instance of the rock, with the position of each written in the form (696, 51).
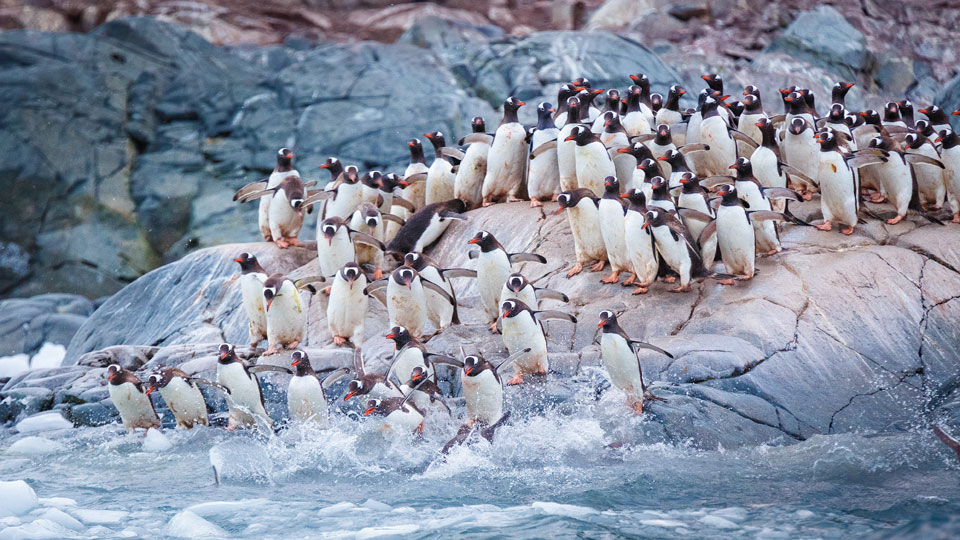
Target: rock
(617, 14)
(93, 414)
(28, 400)
(948, 98)
(894, 75)
(27, 324)
(845, 53)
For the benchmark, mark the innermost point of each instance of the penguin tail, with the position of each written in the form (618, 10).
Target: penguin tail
(792, 218)
(930, 217)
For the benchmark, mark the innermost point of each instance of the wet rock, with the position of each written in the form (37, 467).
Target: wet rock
(28, 400)
(26, 324)
(845, 53)
(94, 414)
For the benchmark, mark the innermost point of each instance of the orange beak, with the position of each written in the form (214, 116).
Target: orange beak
(938, 139)
(863, 114)
(110, 378)
(645, 223)
(468, 371)
(570, 138)
(349, 395)
(788, 99)
(620, 151)
(849, 85)
(746, 93)
(324, 166)
(521, 103)
(758, 124)
(410, 144)
(391, 335)
(955, 113)
(270, 301)
(599, 324)
(238, 260)
(624, 195)
(560, 209)
(722, 193)
(369, 411)
(552, 110)
(684, 180)
(734, 166)
(505, 313)
(725, 97)
(923, 111)
(682, 92)
(662, 158)
(151, 389)
(472, 241)
(705, 77)
(294, 363)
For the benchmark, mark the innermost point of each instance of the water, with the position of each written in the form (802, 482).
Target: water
(550, 473)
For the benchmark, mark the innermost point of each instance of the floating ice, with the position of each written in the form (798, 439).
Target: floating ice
(50, 355)
(59, 517)
(16, 498)
(392, 530)
(92, 516)
(718, 522)
(213, 508)
(156, 441)
(35, 446)
(186, 524)
(14, 365)
(47, 421)
(335, 509)
(57, 502)
(567, 510)
(376, 505)
(40, 529)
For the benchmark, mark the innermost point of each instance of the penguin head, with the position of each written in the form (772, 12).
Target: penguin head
(871, 116)
(690, 182)
(906, 107)
(641, 80)
(879, 143)
(478, 124)
(611, 185)
(613, 99)
(891, 112)
(671, 156)
(516, 282)
(656, 102)
(743, 167)
(284, 157)
(332, 164)
(608, 320)
(399, 335)
(751, 90)
(935, 114)
(301, 361)
(414, 260)
(512, 308)
(650, 167)
(729, 193)
(841, 88)
(545, 109)
(473, 365)
(837, 112)
(416, 151)
(370, 215)
(417, 376)
(751, 104)
(355, 387)
(371, 179)
(436, 138)
(948, 138)
(912, 141)
(248, 263)
(582, 82)
(660, 185)
(564, 200)
(271, 289)
(577, 133)
(637, 198)
(714, 81)
(329, 228)
(797, 126)
(405, 275)
(226, 353)
(512, 104)
(112, 371)
(796, 104)
(611, 119)
(827, 140)
(485, 241)
(653, 218)
(154, 381)
(350, 273)
(924, 128)
(374, 406)
(638, 150)
(389, 182)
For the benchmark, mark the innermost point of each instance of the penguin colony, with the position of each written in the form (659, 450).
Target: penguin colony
(653, 190)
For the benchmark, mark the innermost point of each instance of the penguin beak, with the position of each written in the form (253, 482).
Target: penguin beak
(955, 113)
(734, 166)
(863, 114)
(391, 335)
(849, 85)
(624, 195)
(619, 151)
(110, 378)
(645, 223)
(746, 93)
(505, 313)
(682, 92)
(788, 99)
(600, 324)
(472, 241)
(325, 166)
(662, 158)
(294, 363)
(151, 389)
(223, 356)
(938, 139)
(349, 395)
(722, 193)
(570, 138)
(552, 110)
(758, 124)
(238, 260)
(270, 301)
(722, 98)
(369, 411)
(684, 180)
(925, 111)
(521, 103)
(560, 209)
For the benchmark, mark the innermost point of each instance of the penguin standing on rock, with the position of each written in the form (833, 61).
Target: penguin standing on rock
(898, 177)
(130, 398)
(950, 154)
(567, 148)
(494, 266)
(441, 176)
(611, 214)
(283, 169)
(839, 183)
(675, 245)
(252, 276)
(519, 288)
(543, 180)
(441, 312)
(335, 245)
(468, 185)
(584, 218)
(347, 306)
(285, 216)
(405, 298)
(593, 162)
(735, 233)
(286, 314)
(621, 361)
(306, 399)
(640, 245)
(368, 220)
(507, 159)
(523, 329)
(182, 395)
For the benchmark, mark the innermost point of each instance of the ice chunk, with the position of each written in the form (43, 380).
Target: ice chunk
(40, 529)
(665, 523)
(213, 508)
(16, 498)
(376, 505)
(92, 516)
(35, 446)
(59, 517)
(9, 521)
(567, 510)
(50, 355)
(391, 530)
(57, 502)
(46, 421)
(338, 508)
(155, 441)
(718, 522)
(186, 524)
(13, 365)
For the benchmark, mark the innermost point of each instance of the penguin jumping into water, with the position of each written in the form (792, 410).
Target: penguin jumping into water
(442, 313)
(621, 361)
(373, 385)
(306, 399)
(131, 399)
(182, 395)
(523, 329)
(286, 315)
(243, 392)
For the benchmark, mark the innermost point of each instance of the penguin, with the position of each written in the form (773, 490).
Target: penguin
(938, 118)
(285, 216)
(891, 115)
(898, 178)
(347, 306)
(950, 156)
(244, 395)
(415, 192)
(468, 184)
(518, 287)
(638, 108)
(638, 152)
(695, 197)
(670, 113)
(584, 219)
(621, 360)
(721, 139)
(906, 113)
(306, 399)
(409, 353)
(613, 135)
(756, 197)
(747, 123)
(870, 176)
(391, 203)
(799, 148)
(564, 94)
(348, 194)
(839, 92)
(567, 149)
(660, 145)
(368, 220)
(640, 246)
(424, 392)
(930, 180)
(661, 194)
(543, 180)
(839, 183)
(648, 170)
(494, 266)
(506, 161)
(674, 161)
(252, 276)
(441, 312)
(406, 300)
(611, 104)
(441, 176)
(335, 245)
(283, 169)
(523, 329)
(611, 214)
(588, 112)
(372, 385)
(593, 162)
(286, 314)
(370, 188)
(396, 415)
(425, 227)
(182, 395)
(676, 246)
(130, 398)
(735, 233)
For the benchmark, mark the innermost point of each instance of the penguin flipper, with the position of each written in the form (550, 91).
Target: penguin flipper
(443, 359)
(485, 138)
(458, 273)
(693, 147)
(414, 178)
(526, 257)
(452, 151)
(427, 284)
(259, 185)
(550, 294)
(744, 138)
(365, 238)
(920, 159)
(549, 145)
(198, 380)
(487, 432)
(512, 358)
(450, 214)
(645, 345)
(309, 184)
(458, 439)
(260, 368)
(778, 119)
(333, 377)
(643, 138)
(473, 254)
(552, 314)
(256, 195)
(304, 281)
(765, 215)
(690, 213)
(796, 172)
(711, 182)
(792, 218)
(857, 161)
(403, 203)
(780, 193)
(396, 219)
(316, 197)
(707, 233)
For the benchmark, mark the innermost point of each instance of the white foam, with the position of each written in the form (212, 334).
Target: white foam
(213, 508)
(16, 498)
(156, 441)
(50, 355)
(40, 529)
(390, 530)
(35, 446)
(59, 517)
(665, 523)
(186, 524)
(718, 522)
(47, 421)
(14, 365)
(804, 514)
(567, 510)
(91, 516)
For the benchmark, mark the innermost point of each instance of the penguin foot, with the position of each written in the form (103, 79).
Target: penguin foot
(686, 288)
(294, 242)
(670, 279)
(894, 220)
(378, 274)
(517, 379)
(514, 198)
(825, 226)
(339, 340)
(534, 203)
(268, 238)
(640, 290)
(956, 218)
(877, 197)
(493, 327)
(271, 350)
(327, 290)
(774, 251)
(806, 195)
(636, 405)
(577, 268)
(420, 429)
(486, 202)
(614, 277)
(729, 281)
(630, 280)
(282, 243)
(598, 267)
(293, 345)
(846, 230)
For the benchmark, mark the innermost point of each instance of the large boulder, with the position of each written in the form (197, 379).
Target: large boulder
(824, 38)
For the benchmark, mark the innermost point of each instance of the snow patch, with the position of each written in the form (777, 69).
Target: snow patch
(35, 446)
(47, 421)
(186, 524)
(50, 355)
(16, 498)
(14, 365)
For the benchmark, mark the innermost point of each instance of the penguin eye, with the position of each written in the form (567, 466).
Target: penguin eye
(606, 314)
(353, 386)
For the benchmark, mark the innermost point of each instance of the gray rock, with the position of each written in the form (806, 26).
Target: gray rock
(845, 53)
(27, 323)
(25, 400)
(94, 414)
(948, 98)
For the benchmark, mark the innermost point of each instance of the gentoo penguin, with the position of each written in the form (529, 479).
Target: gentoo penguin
(405, 298)
(670, 113)
(286, 314)
(518, 287)
(424, 227)
(415, 192)
(335, 245)
(543, 180)
(676, 246)
(182, 395)
(747, 123)
(468, 184)
(662, 143)
(389, 183)
(648, 169)
(640, 246)
(244, 396)
(252, 276)
(906, 113)
(396, 415)
(611, 104)
(661, 194)
(757, 197)
(642, 82)
(130, 398)
(566, 92)
(720, 138)
(839, 93)
(441, 176)
(283, 169)
(930, 180)
(891, 115)
(621, 361)
(347, 306)
(370, 187)
(588, 112)
(635, 121)
(372, 385)
(368, 220)
(584, 219)
(593, 162)
(611, 213)
(442, 313)
(306, 399)
(638, 152)
(506, 161)
(735, 233)
(938, 118)
(426, 393)
(612, 133)
(799, 149)
(567, 149)
(695, 197)
(348, 194)
(675, 162)
(950, 156)
(494, 266)
(839, 183)
(898, 178)
(285, 216)
(409, 353)
(656, 103)
(867, 127)
(523, 329)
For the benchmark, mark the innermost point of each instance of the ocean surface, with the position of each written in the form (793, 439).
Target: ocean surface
(582, 468)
